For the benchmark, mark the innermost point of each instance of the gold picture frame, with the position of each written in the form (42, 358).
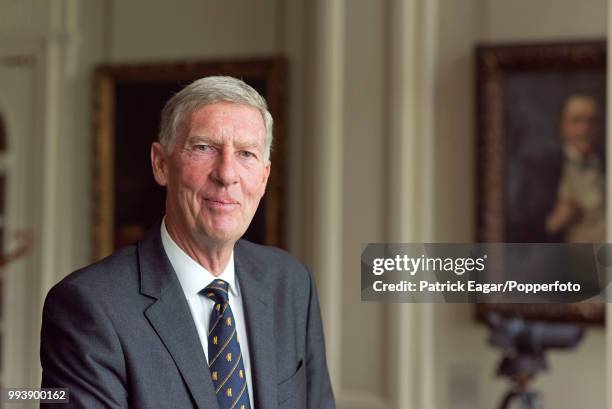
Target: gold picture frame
(521, 89)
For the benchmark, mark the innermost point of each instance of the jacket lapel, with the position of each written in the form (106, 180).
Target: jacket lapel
(171, 318)
(259, 316)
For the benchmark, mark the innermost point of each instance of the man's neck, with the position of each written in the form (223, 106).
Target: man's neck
(212, 256)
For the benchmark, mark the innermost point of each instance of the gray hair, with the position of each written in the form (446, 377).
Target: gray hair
(206, 91)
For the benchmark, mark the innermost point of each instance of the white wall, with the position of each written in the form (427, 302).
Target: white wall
(192, 29)
(543, 20)
(363, 167)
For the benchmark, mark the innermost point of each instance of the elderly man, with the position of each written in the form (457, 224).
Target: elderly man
(192, 316)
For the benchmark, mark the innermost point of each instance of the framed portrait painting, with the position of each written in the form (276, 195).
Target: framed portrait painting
(128, 103)
(541, 153)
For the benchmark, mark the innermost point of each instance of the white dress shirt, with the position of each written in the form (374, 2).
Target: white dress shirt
(194, 278)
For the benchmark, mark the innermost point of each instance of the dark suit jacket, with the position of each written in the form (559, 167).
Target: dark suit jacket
(119, 333)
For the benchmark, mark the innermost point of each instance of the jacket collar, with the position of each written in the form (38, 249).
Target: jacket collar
(171, 318)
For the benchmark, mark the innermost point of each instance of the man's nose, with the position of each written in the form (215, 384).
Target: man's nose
(225, 168)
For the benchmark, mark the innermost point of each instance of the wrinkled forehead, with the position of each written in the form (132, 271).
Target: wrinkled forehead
(225, 119)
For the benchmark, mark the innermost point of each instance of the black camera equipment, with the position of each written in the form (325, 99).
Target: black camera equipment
(524, 343)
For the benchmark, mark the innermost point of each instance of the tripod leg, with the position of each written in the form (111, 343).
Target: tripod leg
(507, 399)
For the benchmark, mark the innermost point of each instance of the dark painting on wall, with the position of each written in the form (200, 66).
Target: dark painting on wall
(541, 152)
(129, 99)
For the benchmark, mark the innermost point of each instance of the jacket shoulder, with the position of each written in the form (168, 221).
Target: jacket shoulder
(267, 254)
(117, 271)
(278, 265)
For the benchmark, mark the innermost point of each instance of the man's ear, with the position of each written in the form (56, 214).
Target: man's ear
(159, 163)
(266, 175)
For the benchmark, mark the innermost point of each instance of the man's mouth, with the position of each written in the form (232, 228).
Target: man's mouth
(221, 202)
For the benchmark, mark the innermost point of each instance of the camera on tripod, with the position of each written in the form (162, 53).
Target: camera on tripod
(524, 344)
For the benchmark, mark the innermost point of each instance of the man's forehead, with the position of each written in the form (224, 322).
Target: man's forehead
(217, 113)
(226, 112)
(219, 120)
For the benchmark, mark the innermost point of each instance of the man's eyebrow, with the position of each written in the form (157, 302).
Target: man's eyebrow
(242, 144)
(249, 144)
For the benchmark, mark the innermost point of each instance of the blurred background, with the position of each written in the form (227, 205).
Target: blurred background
(380, 146)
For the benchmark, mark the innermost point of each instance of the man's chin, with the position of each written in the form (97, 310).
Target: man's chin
(224, 235)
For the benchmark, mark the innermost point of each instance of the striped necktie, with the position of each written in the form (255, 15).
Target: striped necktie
(224, 355)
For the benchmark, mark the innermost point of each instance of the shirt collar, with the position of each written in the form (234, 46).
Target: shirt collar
(193, 276)
(571, 152)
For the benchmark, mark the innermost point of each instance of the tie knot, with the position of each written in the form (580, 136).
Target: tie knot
(217, 291)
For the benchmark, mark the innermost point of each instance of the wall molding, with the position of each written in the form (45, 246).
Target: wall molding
(410, 195)
(328, 201)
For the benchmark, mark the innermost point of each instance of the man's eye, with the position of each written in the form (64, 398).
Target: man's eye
(247, 154)
(202, 147)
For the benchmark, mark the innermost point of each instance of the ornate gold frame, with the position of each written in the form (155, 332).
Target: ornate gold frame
(494, 64)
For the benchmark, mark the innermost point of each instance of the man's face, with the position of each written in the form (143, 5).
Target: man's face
(216, 173)
(579, 123)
